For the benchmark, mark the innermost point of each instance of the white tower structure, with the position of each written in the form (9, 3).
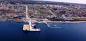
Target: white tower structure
(29, 27)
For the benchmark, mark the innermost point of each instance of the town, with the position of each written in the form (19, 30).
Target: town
(56, 11)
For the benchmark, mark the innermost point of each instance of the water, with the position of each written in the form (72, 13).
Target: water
(12, 31)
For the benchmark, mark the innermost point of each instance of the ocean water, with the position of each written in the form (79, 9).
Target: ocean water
(12, 31)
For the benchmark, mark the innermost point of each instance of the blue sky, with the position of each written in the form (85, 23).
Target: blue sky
(70, 1)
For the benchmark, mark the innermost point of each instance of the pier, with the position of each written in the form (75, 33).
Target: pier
(29, 27)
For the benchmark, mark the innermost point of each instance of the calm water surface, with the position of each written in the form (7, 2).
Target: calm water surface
(12, 31)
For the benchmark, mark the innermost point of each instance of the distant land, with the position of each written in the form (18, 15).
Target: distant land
(38, 2)
(60, 9)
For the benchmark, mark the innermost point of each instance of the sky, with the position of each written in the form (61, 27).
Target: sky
(70, 1)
